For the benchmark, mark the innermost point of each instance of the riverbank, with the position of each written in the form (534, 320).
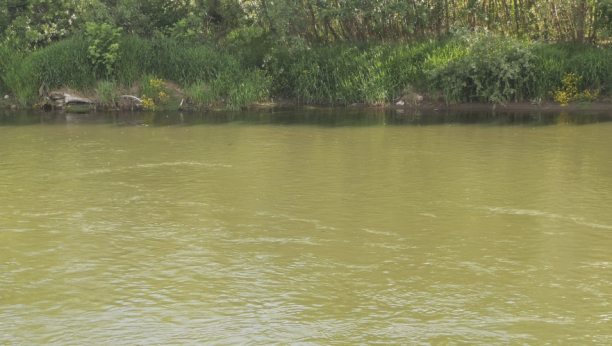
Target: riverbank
(475, 70)
(130, 104)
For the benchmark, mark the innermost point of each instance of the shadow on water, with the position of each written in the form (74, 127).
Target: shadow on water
(328, 117)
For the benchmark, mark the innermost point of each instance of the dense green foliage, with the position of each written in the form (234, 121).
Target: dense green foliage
(103, 47)
(315, 51)
(472, 68)
(39, 22)
(463, 68)
(68, 64)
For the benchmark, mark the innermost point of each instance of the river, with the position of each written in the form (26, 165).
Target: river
(307, 227)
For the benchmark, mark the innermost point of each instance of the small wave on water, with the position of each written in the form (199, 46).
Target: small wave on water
(579, 220)
(316, 223)
(155, 165)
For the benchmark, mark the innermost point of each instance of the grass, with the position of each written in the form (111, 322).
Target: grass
(106, 92)
(345, 74)
(469, 68)
(200, 94)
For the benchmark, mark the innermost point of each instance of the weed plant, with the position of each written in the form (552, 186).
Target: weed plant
(106, 92)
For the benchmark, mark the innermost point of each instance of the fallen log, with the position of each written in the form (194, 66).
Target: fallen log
(55, 95)
(132, 97)
(68, 99)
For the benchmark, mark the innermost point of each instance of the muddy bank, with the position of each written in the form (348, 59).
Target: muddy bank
(80, 101)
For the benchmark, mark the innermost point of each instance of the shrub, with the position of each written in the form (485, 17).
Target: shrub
(495, 69)
(103, 46)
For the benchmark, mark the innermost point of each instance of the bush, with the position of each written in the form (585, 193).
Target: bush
(103, 46)
(494, 69)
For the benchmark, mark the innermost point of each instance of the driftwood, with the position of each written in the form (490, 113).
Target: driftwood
(62, 99)
(54, 95)
(132, 97)
(41, 91)
(68, 99)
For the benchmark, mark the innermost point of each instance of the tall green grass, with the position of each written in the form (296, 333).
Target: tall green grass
(344, 74)
(65, 64)
(475, 67)
(18, 76)
(106, 92)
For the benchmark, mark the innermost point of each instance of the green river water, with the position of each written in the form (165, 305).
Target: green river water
(307, 227)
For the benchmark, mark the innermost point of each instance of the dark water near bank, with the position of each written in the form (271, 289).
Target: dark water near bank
(309, 227)
(332, 117)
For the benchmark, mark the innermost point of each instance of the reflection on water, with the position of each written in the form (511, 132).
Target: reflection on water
(322, 117)
(345, 232)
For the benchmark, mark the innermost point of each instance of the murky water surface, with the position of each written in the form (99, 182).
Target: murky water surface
(305, 228)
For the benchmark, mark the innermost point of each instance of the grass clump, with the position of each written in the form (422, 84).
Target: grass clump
(64, 64)
(345, 74)
(200, 94)
(106, 92)
(20, 78)
(239, 91)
